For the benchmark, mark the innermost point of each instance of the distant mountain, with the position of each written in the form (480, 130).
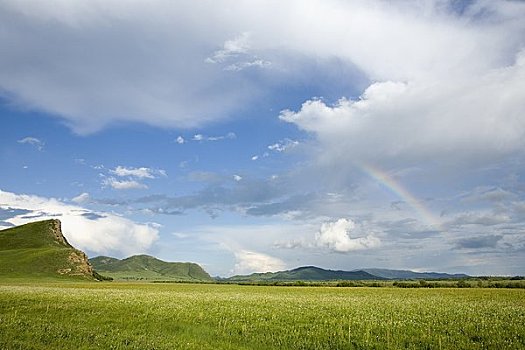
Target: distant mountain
(312, 273)
(411, 275)
(306, 273)
(40, 250)
(145, 267)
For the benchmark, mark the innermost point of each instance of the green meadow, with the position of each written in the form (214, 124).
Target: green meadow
(110, 315)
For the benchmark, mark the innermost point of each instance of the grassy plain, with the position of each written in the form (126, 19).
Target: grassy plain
(114, 315)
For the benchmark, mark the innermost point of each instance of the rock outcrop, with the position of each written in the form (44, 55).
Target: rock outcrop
(56, 232)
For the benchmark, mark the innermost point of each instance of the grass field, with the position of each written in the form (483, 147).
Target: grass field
(199, 316)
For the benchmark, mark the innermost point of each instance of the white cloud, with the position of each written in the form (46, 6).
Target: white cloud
(236, 55)
(132, 175)
(237, 67)
(228, 136)
(255, 157)
(426, 45)
(95, 232)
(452, 118)
(123, 184)
(200, 137)
(140, 173)
(180, 140)
(231, 48)
(283, 145)
(237, 178)
(249, 261)
(81, 198)
(336, 236)
(91, 87)
(33, 141)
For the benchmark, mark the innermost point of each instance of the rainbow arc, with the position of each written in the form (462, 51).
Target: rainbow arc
(393, 186)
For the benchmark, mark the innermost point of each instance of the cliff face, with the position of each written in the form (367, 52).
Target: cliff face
(56, 232)
(77, 259)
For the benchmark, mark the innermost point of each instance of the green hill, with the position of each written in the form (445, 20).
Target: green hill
(145, 267)
(306, 273)
(39, 250)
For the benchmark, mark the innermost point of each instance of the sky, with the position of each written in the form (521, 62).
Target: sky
(254, 136)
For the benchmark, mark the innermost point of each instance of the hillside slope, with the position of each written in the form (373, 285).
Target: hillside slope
(145, 267)
(39, 250)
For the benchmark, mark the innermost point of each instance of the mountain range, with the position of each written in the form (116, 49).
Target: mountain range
(313, 273)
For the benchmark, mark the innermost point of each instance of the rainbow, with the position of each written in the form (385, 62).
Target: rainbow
(387, 181)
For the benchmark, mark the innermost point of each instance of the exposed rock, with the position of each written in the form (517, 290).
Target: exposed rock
(81, 262)
(56, 230)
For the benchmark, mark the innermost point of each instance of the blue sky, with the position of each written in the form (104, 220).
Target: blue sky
(259, 136)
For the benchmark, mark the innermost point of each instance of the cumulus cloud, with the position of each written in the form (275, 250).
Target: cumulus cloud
(140, 173)
(249, 262)
(33, 141)
(440, 98)
(180, 140)
(129, 177)
(94, 232)
(335, 236)
(123, 184)
(419, 119)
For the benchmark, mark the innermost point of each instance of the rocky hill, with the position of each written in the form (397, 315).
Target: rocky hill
(40, 250)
